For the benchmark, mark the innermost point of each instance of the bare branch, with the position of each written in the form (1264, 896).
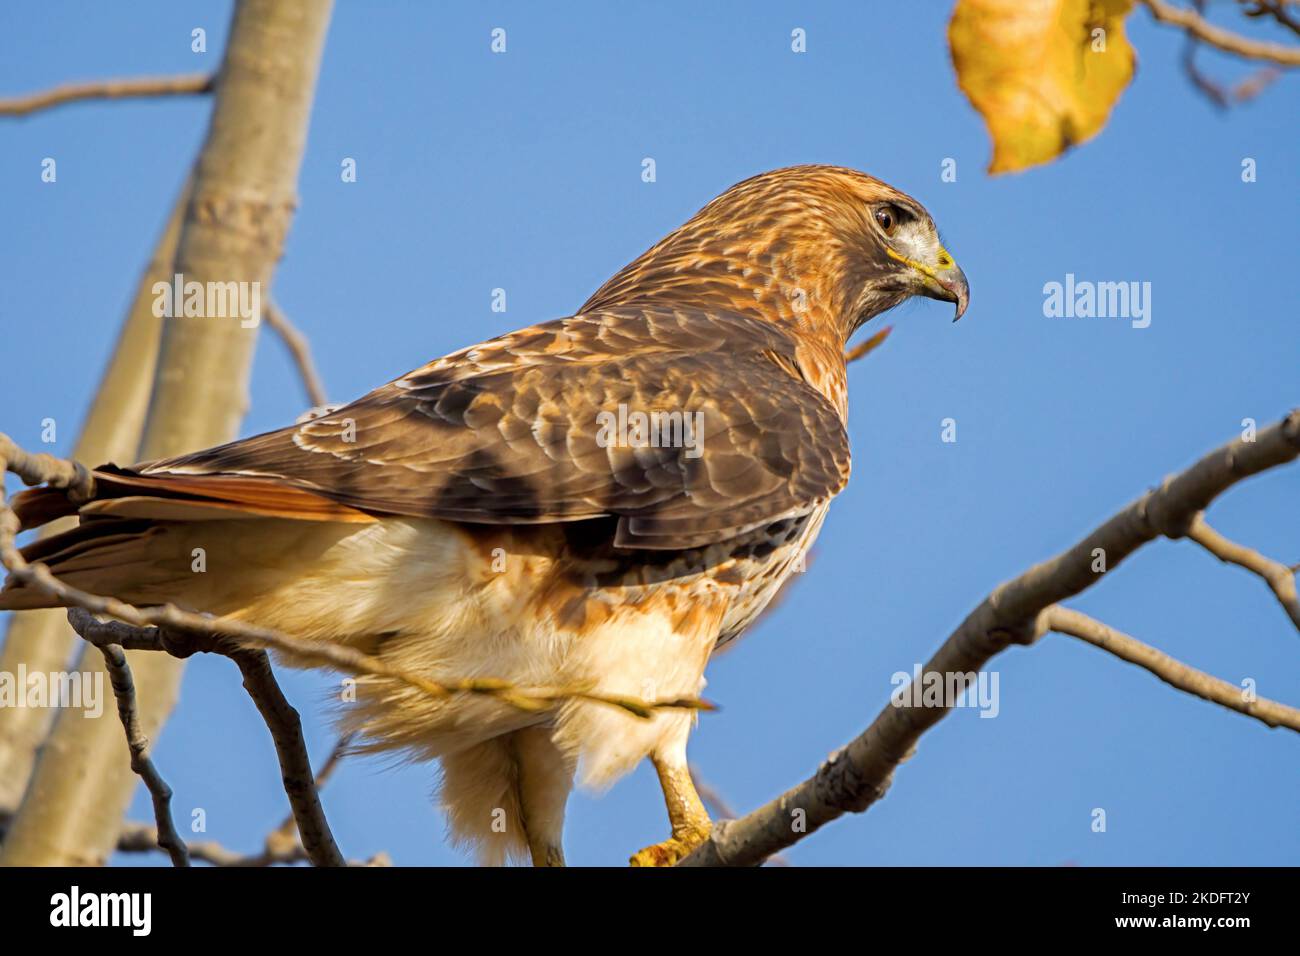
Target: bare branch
(721, 809)
(72, 476)
(142, 838)
(110, 431)
(116, 89)
(287, 834)
(1222, 39)
(300, 350)
(1217, 93)
(710, 795)
(859, 774)
(124, 690)
(1175, 673)
(1279, 577)
(101, 633)
(342, 747)
(295, 767)
(282, 846)
(1276, 9)
(241, 206)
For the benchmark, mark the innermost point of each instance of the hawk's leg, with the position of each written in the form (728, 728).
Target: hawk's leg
(690, 821)
(544, 779)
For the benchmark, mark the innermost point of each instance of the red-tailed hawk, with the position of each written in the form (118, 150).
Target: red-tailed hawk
(600, 500)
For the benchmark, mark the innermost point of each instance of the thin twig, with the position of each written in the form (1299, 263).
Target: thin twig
(1222, 39)
(119, 672)
(859, 774)
(107, 90)
(1217, 93)
(1279, 577)
(1221, 96)
(300, 350)
(281, 847)
(1173, 672)
(1275, 9)
(142, 838)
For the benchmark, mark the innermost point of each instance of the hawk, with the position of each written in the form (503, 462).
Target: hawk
(600, 500)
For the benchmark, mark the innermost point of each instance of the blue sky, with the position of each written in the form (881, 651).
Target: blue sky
(522, 171)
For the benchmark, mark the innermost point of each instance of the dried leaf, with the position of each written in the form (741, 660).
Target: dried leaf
(1043, 73)
(869, 346)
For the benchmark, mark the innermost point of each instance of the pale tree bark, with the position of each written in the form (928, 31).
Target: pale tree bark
(244, 194)
(41, 641)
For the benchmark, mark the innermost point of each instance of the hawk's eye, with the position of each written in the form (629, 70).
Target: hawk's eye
(887, 218)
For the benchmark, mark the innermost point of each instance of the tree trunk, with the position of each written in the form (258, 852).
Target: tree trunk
(41, 640)
(244, 194)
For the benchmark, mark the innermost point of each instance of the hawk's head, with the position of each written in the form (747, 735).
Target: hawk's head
(822, 246)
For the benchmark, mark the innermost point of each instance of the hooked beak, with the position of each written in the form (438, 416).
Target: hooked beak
(943, 280)
(950, 285)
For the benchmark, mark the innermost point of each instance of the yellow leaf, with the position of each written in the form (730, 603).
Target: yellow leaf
(1043, 73)
(869, 346)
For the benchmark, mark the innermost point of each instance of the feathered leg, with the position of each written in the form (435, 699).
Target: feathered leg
(545, 777)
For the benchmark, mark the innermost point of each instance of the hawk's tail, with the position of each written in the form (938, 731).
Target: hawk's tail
(137, 535)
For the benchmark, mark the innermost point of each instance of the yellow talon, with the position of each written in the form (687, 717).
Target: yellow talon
(673, 850)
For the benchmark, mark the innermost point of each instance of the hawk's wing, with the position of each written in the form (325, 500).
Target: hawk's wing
(510, 431)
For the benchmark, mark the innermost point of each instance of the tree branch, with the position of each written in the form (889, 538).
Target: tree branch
(1276, 9)
(300, 784)
(110, 431)
(142, 838)
(1220, 95)
(1222, 39)
(1175, 673)
(115, 89)
(287, 833)
(721, 808)
(244, 192)
(859, 774)
(72, 476)
(102, 633)
(1279, 577)
(295, 766)
(124, 690)
(299, 350)
(282, 845)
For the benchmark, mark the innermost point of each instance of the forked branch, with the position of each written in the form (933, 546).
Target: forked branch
(859, 774)
(1216, 36)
